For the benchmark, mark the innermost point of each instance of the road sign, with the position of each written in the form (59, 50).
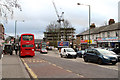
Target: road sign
(63, 44)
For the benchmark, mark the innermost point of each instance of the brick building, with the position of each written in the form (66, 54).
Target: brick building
(104, 36)
(64, 34)
(1, 32)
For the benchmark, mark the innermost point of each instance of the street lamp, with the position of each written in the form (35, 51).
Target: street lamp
(15, 28)
(89, 20)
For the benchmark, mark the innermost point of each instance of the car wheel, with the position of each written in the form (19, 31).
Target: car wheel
(113, 63)
(10, 53)
(100, 61)
(85, 59)
(61, 55)
(75, 57)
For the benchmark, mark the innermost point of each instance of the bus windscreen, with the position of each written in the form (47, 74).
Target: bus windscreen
(27, 45)
(27, 37)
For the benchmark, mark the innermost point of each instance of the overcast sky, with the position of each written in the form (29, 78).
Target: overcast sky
(37, 14)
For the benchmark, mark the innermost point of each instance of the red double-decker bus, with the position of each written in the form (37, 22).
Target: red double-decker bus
(27, 45)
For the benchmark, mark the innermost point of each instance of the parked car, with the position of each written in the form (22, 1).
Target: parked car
(116, 50)
(8, 49)
(110, 49)
(43, 50)
(118, 56)
(100, 56)
(80, 53)
(68, 52)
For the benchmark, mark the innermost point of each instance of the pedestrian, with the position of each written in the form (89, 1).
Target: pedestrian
(16, 49)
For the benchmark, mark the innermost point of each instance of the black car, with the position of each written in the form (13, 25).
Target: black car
(80, 53)
(8, 49)
(116, 50)
(118, 56)
(110, 49)
(100, 56)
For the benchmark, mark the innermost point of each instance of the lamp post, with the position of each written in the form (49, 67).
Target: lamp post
(16, 29)
(89, 19)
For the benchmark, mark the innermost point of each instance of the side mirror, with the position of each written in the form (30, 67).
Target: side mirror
(64, 50)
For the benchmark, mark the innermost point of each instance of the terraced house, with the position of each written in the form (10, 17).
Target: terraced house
(104, 36)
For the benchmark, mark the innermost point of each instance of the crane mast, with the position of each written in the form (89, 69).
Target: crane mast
(60, 18)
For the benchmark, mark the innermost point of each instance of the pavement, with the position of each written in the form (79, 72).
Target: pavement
(12, 67)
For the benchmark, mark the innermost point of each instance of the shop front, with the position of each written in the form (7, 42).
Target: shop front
(85, 44)
(112, 42)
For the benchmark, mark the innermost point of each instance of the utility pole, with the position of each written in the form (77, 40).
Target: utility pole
(88, 19)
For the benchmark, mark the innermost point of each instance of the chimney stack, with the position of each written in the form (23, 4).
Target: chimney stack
(92, 26)
(111, 21)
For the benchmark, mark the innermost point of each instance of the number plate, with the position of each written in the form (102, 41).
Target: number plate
(114, 60)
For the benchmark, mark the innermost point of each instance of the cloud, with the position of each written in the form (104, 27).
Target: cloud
(39, 13)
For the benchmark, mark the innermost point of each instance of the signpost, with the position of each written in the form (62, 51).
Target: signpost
(63, 43)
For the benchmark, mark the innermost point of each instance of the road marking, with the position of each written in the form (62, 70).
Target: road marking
(59, 67)
(30, 70)
(49, 62)
(103, 66)
(108, 67)
(33, 60)
(64, 69)
(54, 64)
(80, 75)
(68, 70)
(38, 61)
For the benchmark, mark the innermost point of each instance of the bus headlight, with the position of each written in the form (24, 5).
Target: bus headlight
(32, 49)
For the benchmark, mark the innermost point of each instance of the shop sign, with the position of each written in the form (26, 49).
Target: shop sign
(90, 41)
(83, 41)
(111, 39)
(87, 42)
(63, 43)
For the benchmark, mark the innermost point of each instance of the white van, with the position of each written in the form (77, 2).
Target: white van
(68, 52)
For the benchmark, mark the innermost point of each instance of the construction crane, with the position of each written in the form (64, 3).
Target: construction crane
(60, 18)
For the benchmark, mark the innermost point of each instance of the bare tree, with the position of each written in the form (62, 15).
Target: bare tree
(7, 8)
(55, 26)
(67, 24)
(52, 27)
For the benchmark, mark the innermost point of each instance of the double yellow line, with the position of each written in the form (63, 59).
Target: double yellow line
(30, 70)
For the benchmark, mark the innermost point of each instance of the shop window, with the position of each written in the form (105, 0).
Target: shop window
(108, 34)
(103, 34)
(92, 36)
(81, 37)
(116, 34)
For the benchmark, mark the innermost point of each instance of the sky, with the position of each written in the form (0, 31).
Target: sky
(37, 14)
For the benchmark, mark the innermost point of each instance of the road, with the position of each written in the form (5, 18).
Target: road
(51, 65)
